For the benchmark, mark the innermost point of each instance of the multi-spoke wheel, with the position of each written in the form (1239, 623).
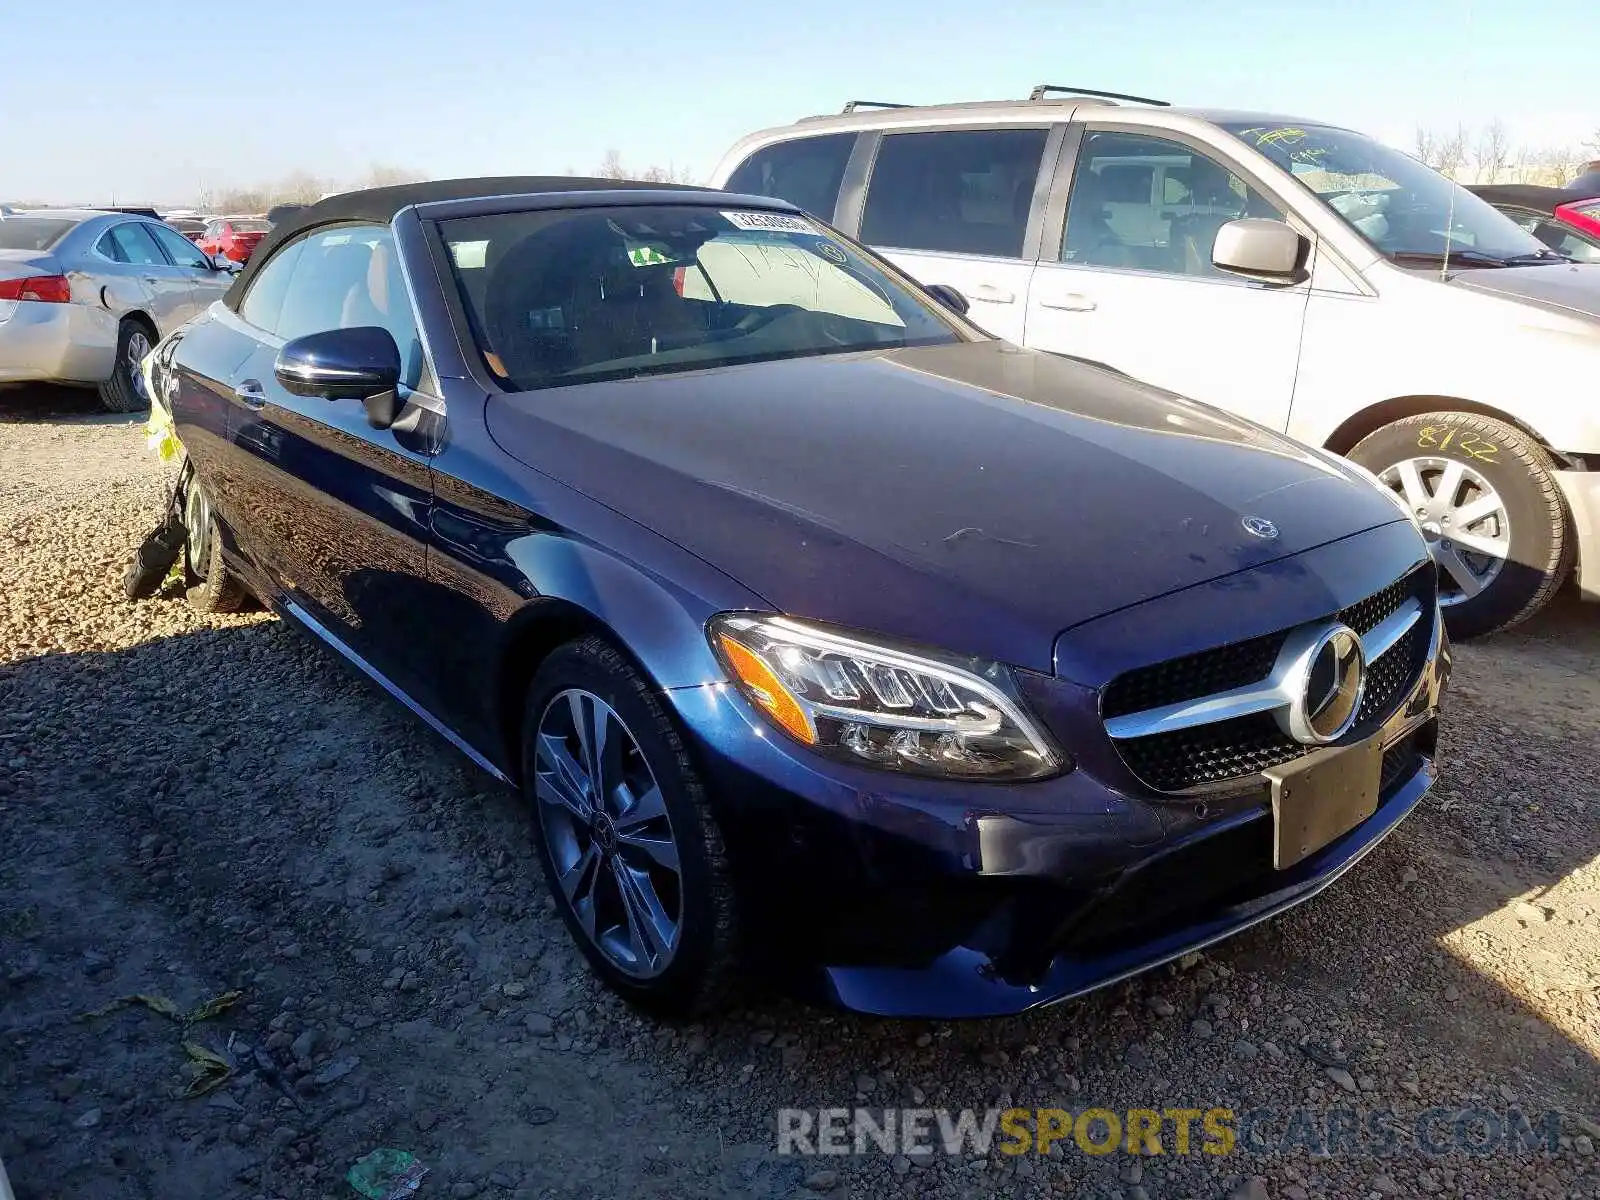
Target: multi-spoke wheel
(213, 587)
(124, 392)
(1463, 519)
(1489, 509)
(630, 847)
(609, 834)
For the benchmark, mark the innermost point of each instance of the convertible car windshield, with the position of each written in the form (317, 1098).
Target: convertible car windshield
(1405, 209)
(560, 297)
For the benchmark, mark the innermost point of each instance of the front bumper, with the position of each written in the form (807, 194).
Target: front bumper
(919, 898)
(1581, 491)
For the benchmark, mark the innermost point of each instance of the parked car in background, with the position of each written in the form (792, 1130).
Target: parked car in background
(1300, 275)
(1570, 227)
(85, 295)
(234, 237)
(193, 228)
(819, 627)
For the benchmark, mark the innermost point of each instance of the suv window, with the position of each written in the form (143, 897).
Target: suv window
(344, 278)
(1152, 205)
(961, 192)
(179, 248)
(806, 172)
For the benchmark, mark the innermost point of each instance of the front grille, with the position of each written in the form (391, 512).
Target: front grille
(1192, 676)
(1212, 754)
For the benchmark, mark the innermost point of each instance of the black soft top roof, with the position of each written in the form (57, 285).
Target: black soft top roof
(378, 206)
(1522, 195)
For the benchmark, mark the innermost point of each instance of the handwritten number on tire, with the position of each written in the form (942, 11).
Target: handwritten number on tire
(1443, 437)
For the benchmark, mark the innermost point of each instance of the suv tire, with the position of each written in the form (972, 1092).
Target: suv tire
(1471, 477)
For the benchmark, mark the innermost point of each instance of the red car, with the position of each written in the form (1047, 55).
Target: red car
(234, 237)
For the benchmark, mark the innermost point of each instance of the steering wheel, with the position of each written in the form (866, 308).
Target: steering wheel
(762, 317)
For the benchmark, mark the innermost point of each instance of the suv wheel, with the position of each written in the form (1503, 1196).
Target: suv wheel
(1489, 508)
(631, 850)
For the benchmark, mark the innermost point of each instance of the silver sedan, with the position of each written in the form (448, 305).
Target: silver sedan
(84, 296)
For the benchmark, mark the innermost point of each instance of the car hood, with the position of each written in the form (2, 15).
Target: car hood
(975, 496)
(1570, 288)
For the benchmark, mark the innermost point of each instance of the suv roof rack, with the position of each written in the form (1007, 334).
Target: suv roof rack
(1039, 93)
(855, 104)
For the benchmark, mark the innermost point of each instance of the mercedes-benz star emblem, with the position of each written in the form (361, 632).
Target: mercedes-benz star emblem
(1260, 527)
(1325, 683)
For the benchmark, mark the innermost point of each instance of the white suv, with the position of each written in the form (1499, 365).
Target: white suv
(1298, 274)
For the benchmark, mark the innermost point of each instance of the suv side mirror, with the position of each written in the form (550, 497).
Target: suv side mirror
(344, 364)
(1261, 248)
(948, 296)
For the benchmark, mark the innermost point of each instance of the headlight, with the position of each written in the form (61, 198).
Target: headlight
(881, 706)
(1395, 497)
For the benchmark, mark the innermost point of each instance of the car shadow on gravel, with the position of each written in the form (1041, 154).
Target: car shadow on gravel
(48, 403)
(231, 808)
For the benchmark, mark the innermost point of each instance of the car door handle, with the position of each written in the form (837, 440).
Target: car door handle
(250, 393)
(1071, 302)
(991, 294)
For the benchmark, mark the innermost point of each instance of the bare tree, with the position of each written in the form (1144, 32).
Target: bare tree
(1493, 153)
(384, 175)
(1427, 146)
(1451, 154)
(611, 167)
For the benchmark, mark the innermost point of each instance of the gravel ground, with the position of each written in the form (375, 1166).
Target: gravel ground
(193, 804)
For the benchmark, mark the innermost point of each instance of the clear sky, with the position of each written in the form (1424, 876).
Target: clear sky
(153, 102)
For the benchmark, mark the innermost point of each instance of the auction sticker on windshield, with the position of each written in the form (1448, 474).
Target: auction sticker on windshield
(771, 222)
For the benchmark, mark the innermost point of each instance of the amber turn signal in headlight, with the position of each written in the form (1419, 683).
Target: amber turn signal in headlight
(881, 705)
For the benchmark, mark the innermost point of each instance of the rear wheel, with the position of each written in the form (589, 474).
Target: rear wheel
(213, 588)
(124, 392)
(630, 848)
(1485, 496)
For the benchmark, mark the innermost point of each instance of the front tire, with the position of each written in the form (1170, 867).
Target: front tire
(124, 391)
(1485, 495)
(630, 847)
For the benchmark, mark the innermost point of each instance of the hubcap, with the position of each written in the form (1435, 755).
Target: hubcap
(610, 838)
(1463, 519)
(138, 348)
(197, 529)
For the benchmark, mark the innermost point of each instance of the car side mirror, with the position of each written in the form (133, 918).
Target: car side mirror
(948, 296)
(1261, 248)
(345, 364)
(223, 263)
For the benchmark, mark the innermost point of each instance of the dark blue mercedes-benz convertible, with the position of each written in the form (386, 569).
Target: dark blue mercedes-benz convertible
(824, 633)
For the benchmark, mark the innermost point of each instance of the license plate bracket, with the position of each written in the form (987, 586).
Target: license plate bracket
(1319, 797)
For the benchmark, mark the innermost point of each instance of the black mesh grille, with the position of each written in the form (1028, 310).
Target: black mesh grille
(1192, 676)
(1209, 754)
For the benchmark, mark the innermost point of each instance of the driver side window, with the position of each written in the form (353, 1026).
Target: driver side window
(343, 277)
(1147, 204)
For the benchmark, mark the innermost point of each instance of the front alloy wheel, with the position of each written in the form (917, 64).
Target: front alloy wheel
(1463, 519)
(633, 853)
(1485, 495)
(609, 834)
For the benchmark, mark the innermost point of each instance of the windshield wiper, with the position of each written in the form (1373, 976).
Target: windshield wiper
(1538, 258)
(1463, 257)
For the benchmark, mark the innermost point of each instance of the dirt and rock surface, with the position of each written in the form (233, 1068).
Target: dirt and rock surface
(190, 805)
